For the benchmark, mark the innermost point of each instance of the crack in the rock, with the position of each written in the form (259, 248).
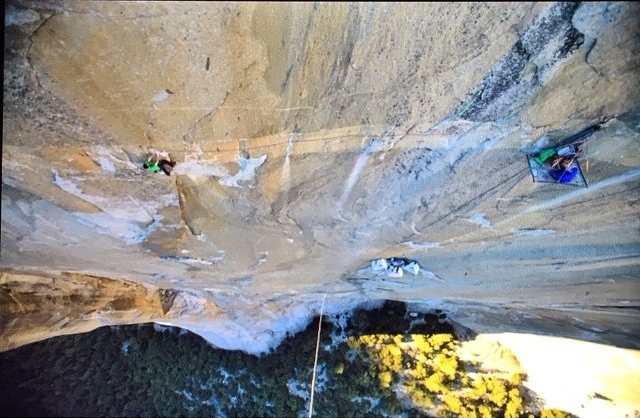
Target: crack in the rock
(151, 16)
(167, 297)
(29, 64)
(586, 57)
(190, 130)
(189, 227)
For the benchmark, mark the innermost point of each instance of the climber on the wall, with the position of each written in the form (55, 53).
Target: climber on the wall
(158, 160)
(561, 162)
(560, 167)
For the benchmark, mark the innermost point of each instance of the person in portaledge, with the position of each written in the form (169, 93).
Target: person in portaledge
(560, 167)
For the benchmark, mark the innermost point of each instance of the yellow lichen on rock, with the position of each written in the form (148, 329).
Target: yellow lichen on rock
(484, 411)
(514, 405)
(385, 379)
(448, 365)
(439, 376)
(391, 358)
(434, 383)
(453, 403)
(554, 413)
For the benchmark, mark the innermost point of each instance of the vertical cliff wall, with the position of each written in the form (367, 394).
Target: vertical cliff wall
(310, 139)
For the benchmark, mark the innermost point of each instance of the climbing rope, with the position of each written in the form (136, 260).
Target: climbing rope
(315, 362)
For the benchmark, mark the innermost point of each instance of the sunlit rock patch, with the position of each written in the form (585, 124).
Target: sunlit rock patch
(429, 373)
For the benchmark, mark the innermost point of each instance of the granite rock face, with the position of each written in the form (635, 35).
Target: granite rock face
(312, 138)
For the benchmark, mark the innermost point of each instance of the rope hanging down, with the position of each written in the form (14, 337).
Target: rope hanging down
(315, 362)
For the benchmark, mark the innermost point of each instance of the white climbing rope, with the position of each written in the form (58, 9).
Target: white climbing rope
(315, 362)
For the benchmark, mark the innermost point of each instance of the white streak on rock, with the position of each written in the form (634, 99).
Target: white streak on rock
(480, 219)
